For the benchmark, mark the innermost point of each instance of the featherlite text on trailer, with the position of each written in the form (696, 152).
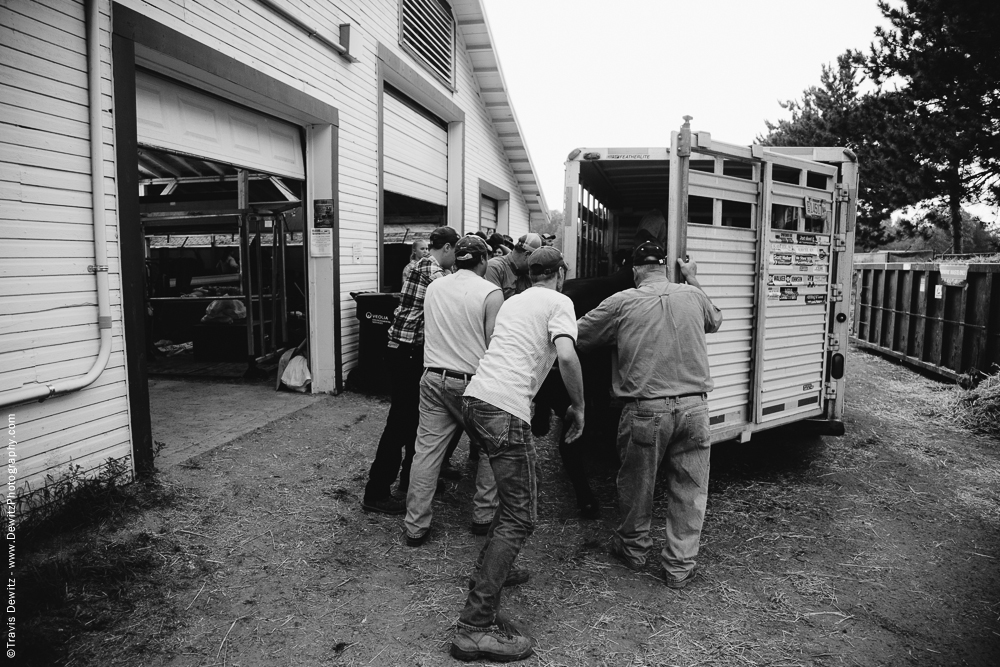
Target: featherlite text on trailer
(772, 232)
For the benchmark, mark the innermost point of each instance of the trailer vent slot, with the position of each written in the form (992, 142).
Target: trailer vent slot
(717, 419)
(771, 409)
(808, 400)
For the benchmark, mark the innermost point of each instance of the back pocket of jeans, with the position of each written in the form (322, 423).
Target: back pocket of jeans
(644, 428)
(491, 426)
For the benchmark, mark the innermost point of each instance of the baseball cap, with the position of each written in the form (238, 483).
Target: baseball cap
(443, 235)
(648, 253)
(545, 259)
(469, 246)
(529, 243)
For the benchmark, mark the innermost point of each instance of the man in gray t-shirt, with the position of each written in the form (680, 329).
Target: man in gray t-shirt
(660, 371)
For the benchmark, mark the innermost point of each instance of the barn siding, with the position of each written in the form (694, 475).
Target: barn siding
(47, 328)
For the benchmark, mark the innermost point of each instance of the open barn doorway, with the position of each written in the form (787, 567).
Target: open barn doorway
(225, 298)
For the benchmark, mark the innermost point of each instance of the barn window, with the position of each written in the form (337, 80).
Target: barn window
(427, 32)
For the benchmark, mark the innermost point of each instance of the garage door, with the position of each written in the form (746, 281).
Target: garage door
(414, 152)
(183, 120)
(487, 214)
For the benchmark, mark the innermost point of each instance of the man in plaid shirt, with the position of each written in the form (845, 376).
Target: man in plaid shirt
(406, 356)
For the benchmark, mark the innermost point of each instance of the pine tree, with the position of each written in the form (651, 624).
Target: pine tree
(835, 113)
(941, 62)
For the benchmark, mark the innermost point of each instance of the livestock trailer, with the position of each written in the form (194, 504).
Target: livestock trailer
(772, 232)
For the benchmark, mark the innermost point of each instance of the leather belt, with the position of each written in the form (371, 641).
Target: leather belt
(451, 374)
(699, 394)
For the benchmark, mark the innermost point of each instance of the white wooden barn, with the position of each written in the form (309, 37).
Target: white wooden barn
(313, 137)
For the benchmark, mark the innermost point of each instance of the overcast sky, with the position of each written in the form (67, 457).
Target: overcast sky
(624, 72)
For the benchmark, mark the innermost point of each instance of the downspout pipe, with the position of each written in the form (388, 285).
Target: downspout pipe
(100, 269)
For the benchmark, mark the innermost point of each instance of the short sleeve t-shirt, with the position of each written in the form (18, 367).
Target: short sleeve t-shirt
(523, 349)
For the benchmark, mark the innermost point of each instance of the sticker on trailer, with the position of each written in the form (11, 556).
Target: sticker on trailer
(807, 239)
(789, 294)
(793, 247)
(784, 237)
(807, 387)
(781, 259)
(816, 208)
(791, 279)
(805, 260)
(815, 298)
(773, 294)
(820, 269)
(628, 156)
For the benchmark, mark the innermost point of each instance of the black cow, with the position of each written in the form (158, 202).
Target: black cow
(600, 418)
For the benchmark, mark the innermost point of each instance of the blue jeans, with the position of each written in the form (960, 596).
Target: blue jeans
(649, 431)
(506, 440)
(440, 419)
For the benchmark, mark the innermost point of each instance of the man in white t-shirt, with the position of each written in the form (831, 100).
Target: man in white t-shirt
(460, 311)
(533, 330)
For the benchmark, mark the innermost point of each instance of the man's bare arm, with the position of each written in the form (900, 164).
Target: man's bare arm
(572, 376)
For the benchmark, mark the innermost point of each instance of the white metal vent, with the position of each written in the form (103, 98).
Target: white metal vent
(428, 31)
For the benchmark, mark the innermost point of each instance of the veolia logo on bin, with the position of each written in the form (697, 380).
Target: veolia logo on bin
(377, 318)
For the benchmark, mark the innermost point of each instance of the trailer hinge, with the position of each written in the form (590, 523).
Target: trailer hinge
(842, 193)
(100, 267)
(832, 342)
(830, 391)
(839, 242)
(836, 293)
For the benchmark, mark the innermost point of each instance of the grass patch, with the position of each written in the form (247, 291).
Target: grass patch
(83, 568)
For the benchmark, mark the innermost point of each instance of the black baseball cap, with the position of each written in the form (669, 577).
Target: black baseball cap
(443, 236)
(648, 253)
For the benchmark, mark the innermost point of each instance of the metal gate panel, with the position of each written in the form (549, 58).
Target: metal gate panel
(726, 258)
(414, 153)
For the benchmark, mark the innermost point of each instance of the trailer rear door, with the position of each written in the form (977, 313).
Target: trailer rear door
(722, 237)
(796, 259)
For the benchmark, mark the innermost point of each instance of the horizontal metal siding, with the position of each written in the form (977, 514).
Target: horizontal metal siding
(249, 32)
(726, 260)
(415, 153)
(48, 299)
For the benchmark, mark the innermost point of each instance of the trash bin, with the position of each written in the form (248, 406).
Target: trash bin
(375, 315)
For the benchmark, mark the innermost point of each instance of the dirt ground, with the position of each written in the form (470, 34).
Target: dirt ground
(877, 548)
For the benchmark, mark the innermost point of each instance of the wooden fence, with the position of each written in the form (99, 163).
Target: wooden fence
(928, 316)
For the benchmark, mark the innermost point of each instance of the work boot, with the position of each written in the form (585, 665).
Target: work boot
(617, 551)
(492, 643)
(388, 505)
(678, 584)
